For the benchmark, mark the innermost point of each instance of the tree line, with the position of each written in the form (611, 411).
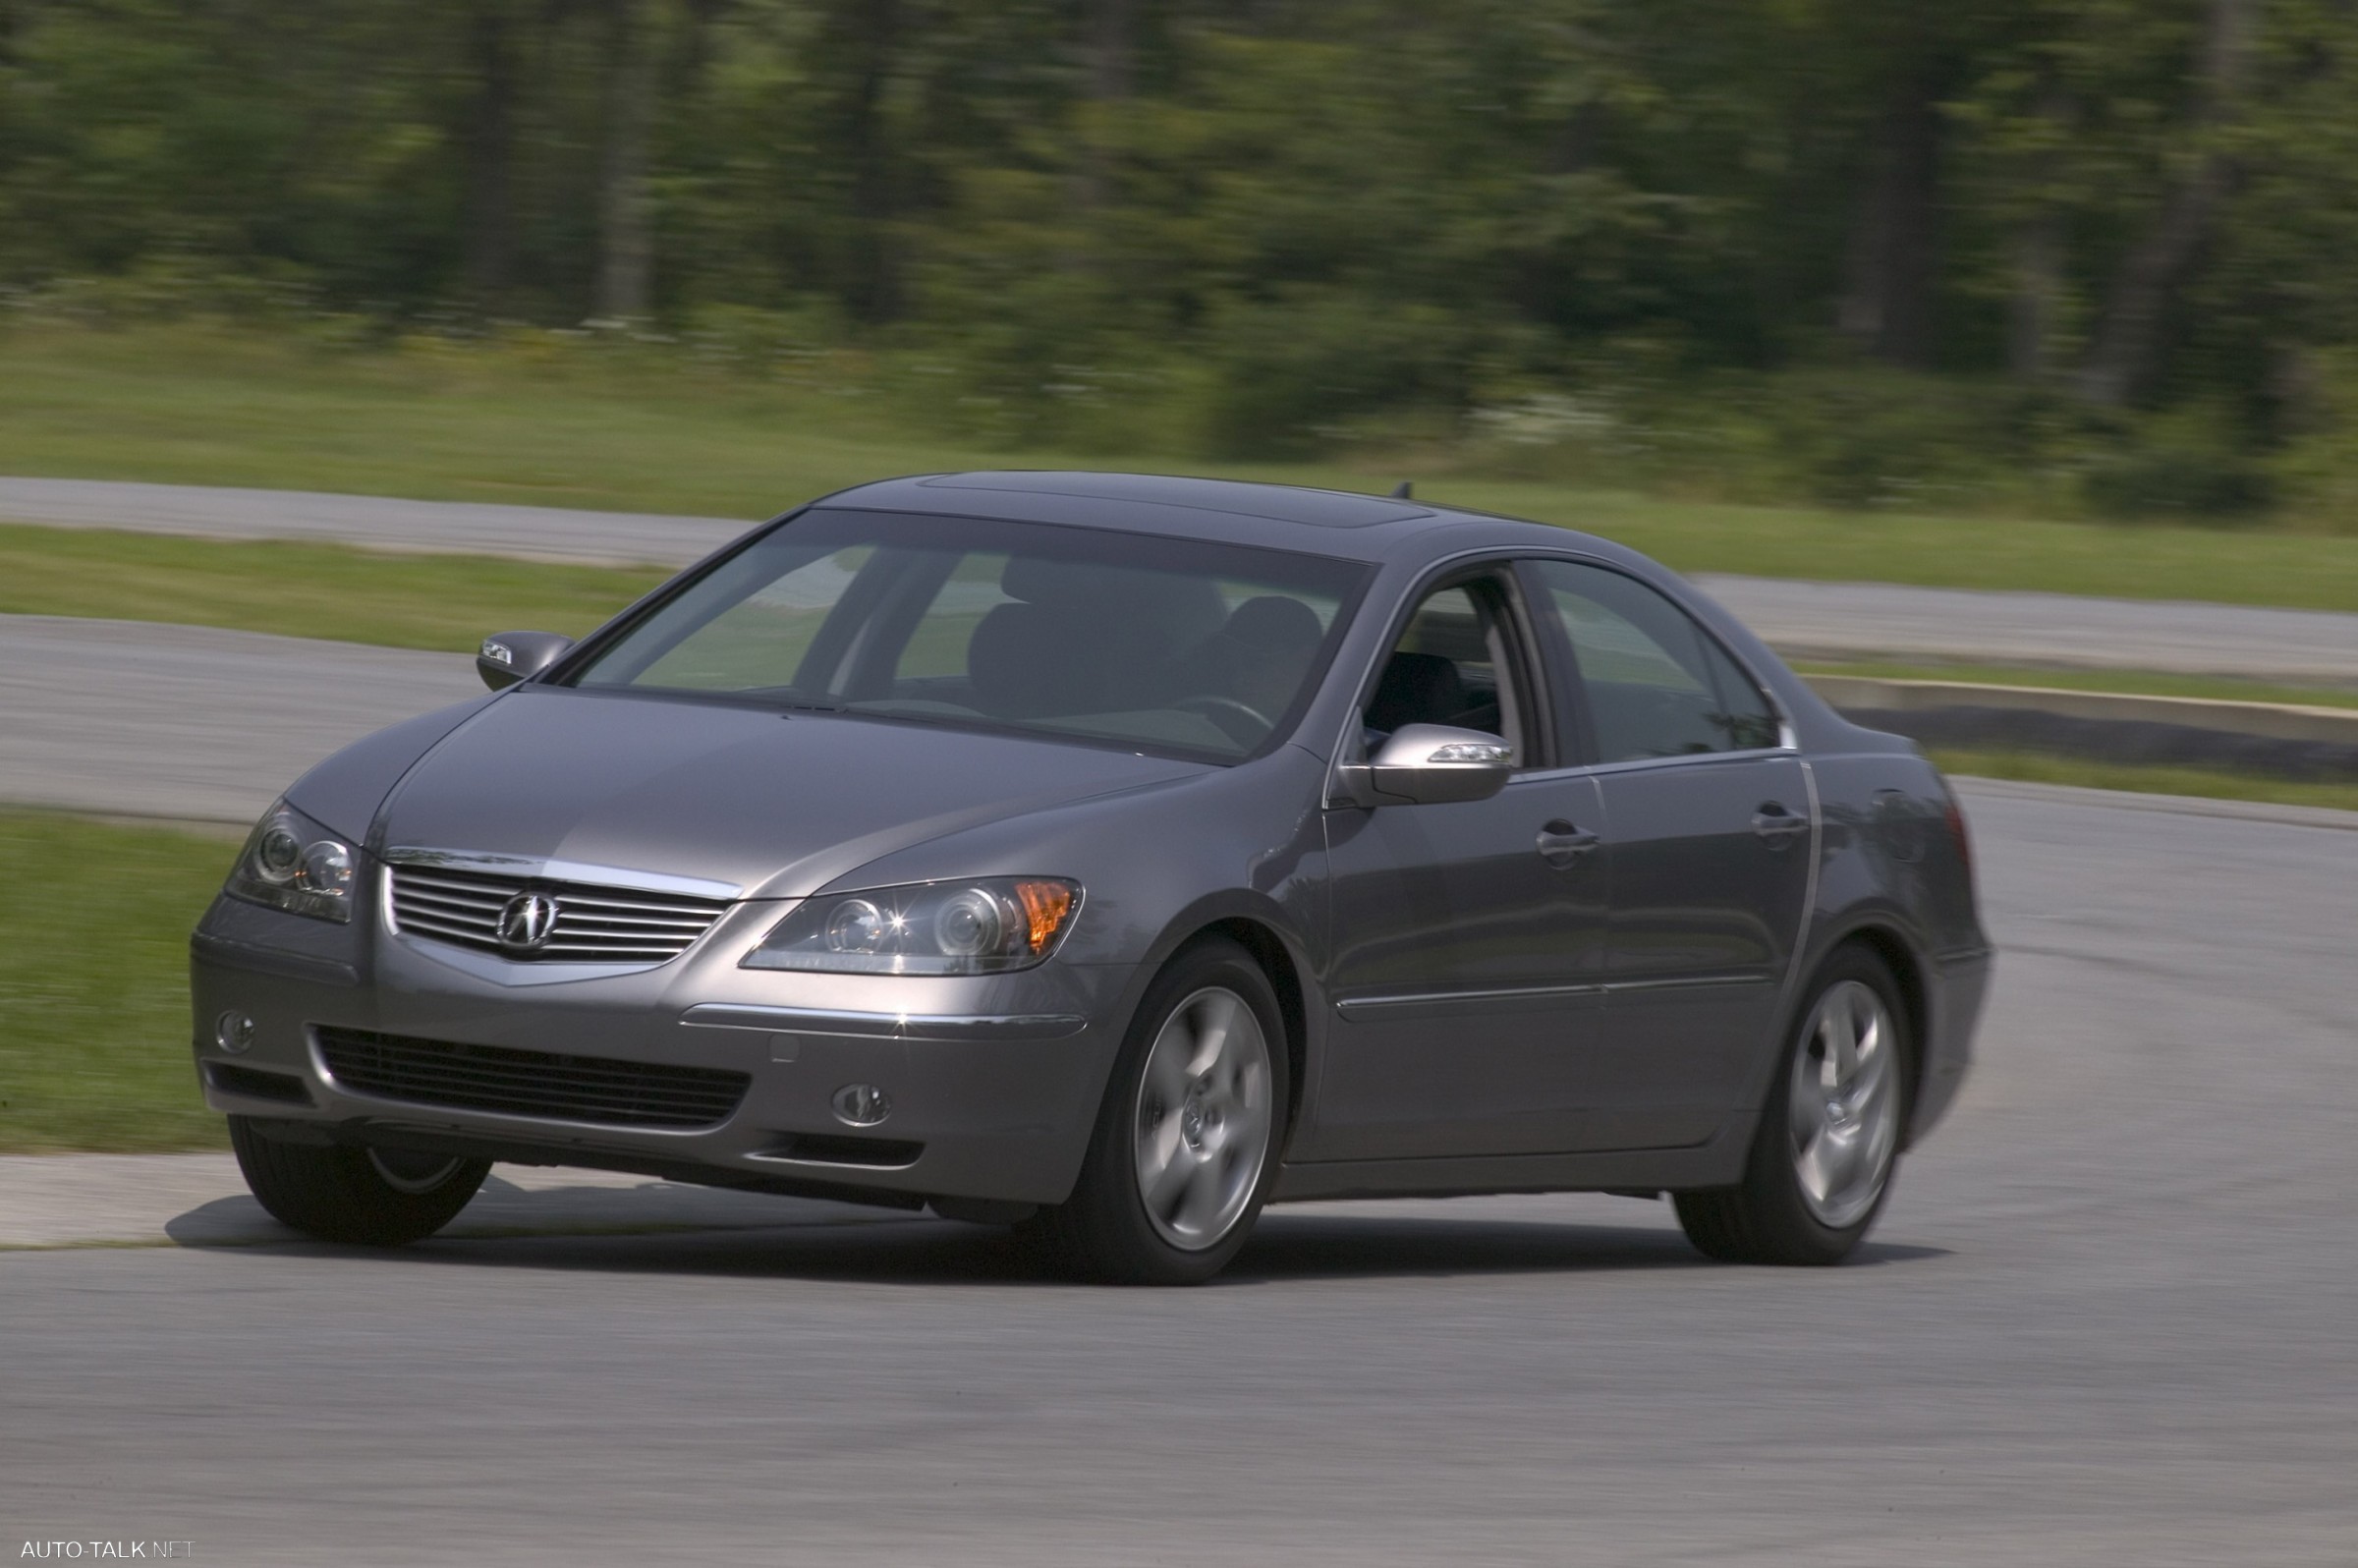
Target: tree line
(1324, 206)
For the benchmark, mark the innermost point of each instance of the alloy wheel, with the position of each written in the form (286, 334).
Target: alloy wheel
(1844, 1119)
(1201, 1131)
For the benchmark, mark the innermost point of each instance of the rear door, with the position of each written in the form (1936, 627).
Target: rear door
(1711, 832)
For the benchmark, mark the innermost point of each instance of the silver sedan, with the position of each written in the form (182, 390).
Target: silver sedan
(1111, 856)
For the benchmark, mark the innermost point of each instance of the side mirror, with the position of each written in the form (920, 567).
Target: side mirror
(511, 657)
(1432, 764)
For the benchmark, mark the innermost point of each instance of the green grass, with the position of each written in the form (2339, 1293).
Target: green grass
(648, 430)
(326, 590)
(95, 923)
(2135, 683)
(2142, 779)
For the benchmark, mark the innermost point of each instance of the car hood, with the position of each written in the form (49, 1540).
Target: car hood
(777, 805)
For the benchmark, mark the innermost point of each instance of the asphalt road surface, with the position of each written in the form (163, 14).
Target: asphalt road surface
(191, 722)
(1822, 620)
(2108, 1318)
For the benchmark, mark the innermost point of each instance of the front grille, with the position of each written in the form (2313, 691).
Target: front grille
(593, 924)
(496, 1078)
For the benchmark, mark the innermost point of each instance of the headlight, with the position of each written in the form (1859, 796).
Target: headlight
(292, 863)
(981, 928)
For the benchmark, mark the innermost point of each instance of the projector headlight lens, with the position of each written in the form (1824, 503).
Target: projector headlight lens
(294, 864)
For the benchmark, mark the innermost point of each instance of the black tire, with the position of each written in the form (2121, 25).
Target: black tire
(1104, 1230)
(346, 1194)
(1770, 1216)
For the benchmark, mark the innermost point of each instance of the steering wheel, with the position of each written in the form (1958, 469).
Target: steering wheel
(1226, 712)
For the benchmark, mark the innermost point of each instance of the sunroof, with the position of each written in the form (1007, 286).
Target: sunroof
(1327, 509)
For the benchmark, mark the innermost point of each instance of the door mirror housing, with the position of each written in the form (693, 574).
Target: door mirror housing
(1434, 764)
(507, 657)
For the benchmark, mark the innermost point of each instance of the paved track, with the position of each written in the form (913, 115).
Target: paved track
(1827, 620)
(368, 522)
(2107, 1319)
(191, 722)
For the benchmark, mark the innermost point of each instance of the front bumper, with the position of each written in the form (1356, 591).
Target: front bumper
(994, 1081)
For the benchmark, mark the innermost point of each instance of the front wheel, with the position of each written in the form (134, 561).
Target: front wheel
(1828, 1138)
(1186, 1143)
(373, 1196)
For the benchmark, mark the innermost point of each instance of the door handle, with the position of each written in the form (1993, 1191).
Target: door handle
(1564, 846)
(1777, 825)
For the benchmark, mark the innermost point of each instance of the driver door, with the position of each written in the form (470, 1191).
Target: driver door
(1467, 938)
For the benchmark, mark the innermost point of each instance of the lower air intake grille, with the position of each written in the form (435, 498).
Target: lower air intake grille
(495, 1077)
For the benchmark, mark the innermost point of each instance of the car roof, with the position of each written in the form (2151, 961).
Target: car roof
(1337, 523)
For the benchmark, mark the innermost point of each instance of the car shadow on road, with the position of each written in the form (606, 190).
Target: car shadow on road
(886, 1246)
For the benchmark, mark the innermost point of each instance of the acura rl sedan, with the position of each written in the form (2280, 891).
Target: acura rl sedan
(1111, 856)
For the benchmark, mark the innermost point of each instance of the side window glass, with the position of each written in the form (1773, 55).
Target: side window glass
(1654, 684)
(1451, 666)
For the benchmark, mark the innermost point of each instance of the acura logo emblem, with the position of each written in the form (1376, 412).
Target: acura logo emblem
(526, 921)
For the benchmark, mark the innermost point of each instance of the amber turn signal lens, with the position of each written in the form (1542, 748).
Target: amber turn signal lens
(1046, 905)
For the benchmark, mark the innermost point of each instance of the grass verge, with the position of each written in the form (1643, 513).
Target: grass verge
(325, 591)
(2139, 778)
(655, 433)
(95, 923)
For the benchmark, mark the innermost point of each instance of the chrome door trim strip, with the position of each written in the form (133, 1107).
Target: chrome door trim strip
(1687, 983)
(1353, 1005)
(1365, 1004)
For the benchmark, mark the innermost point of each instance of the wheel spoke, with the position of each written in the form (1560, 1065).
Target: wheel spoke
(1167, 1075)
(1841, 1036)
(1161, 1186)
(1214, 1021)
(1206, 1192)
(1815, 1167)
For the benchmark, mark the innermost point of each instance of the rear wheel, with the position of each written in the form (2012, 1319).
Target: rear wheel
(1821, 1160)
(1186, 1142)
(373, 1196)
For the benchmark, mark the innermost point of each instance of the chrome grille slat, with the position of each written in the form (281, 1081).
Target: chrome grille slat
(640, 905)
(594, 922)
(430, 925)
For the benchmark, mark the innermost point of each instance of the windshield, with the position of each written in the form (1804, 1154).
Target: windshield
(1166, 644)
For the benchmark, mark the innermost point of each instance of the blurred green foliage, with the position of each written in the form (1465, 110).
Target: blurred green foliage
(95, 923)
(2010, 255)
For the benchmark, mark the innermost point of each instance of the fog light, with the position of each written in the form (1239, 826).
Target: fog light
(232, 1030)
(862, 1105)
